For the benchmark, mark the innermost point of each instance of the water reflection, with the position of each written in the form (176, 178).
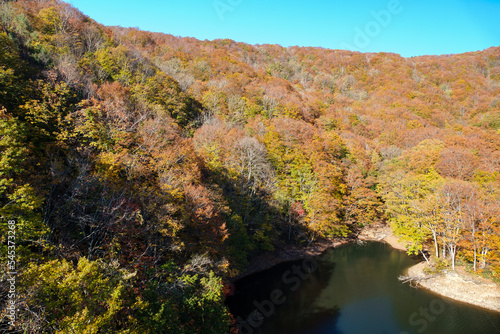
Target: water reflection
(351, 289)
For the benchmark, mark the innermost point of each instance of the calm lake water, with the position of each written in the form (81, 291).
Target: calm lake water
(353, 289)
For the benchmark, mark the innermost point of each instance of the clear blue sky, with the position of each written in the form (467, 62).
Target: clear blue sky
(407, 27)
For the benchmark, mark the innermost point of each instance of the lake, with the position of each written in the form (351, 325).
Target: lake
(352, 289)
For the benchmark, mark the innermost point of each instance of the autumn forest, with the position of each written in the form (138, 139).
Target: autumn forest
(144, 170)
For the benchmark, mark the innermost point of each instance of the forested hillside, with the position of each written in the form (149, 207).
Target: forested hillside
(143, 170)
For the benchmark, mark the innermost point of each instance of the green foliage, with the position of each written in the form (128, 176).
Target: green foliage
(14, 21)
(238, 243)
(438, 266)
(90, 129)
(491, 120)
(203, 310)
(163, 95)
(95, 297)
(185, 304)
(51, 23)
(46, 115)
(14, 85)
(87, 299)
(18, 200)
(408, 204)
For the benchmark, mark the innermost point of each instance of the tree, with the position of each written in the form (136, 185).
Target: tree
(90, 298)
(457, 162)
(412, 207)
(453, 196)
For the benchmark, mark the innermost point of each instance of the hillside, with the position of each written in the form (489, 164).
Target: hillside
(143, 170)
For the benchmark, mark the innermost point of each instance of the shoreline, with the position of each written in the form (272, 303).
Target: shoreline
(287, 252)
(381, 233)
(458, 286)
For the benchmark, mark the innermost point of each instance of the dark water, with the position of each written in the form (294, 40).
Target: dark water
(352, 289)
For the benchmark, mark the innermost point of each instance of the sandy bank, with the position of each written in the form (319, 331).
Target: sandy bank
(379, 232)
(459, 285)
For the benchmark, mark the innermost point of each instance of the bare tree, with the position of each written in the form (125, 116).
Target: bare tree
(66, 65)
(454, 195)
(92, 38)
(252, 163)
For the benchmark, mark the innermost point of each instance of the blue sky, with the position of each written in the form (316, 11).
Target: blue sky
(407, 27)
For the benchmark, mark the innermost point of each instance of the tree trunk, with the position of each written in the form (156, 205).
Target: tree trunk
(426, 259)
(474, 246)
(434, 235)
(484, 251)
(475, 258)
(453, 251)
